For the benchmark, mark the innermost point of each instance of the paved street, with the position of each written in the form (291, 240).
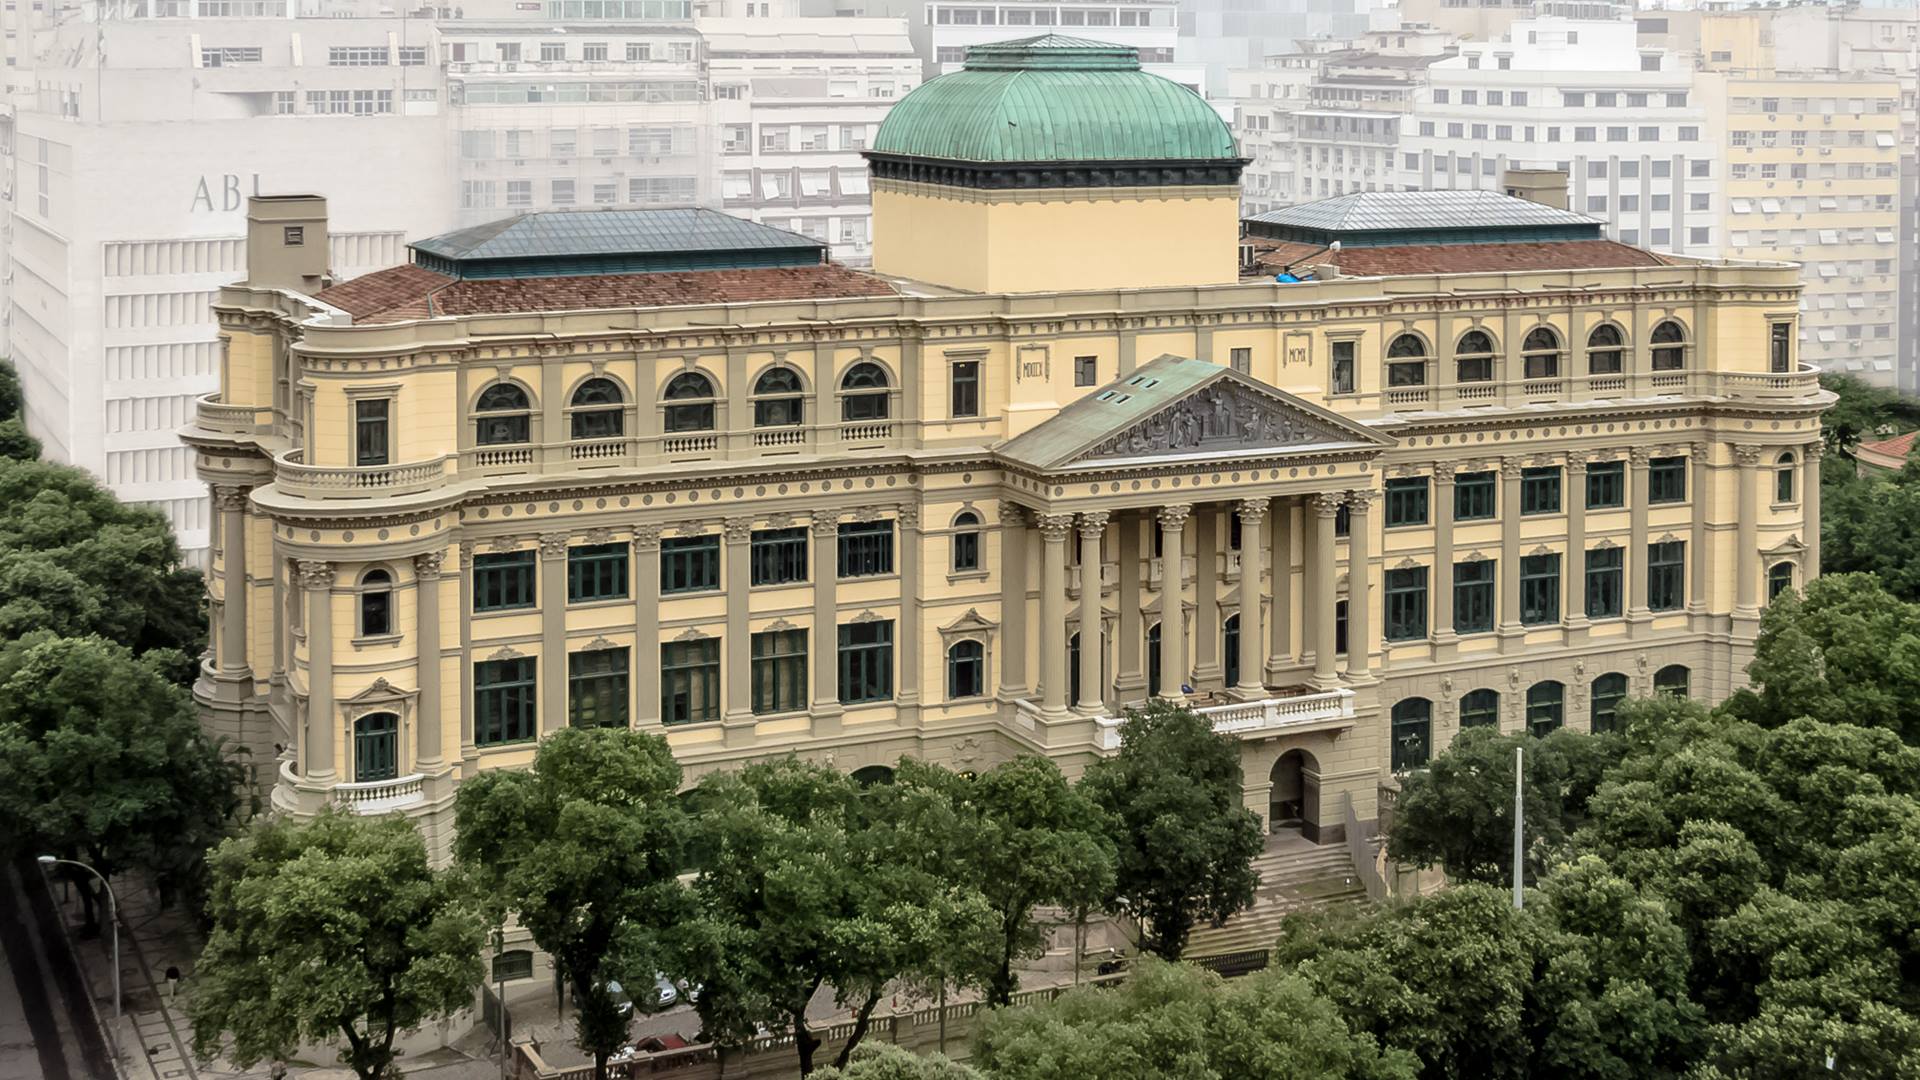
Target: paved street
(45, 1029)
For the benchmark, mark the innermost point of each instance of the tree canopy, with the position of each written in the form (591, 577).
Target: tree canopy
(1184, 840)
(327, 929)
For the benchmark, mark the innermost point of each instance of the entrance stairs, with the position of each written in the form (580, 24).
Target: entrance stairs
(1295, 875)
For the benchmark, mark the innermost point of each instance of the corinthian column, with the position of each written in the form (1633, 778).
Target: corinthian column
(1252, 639)
(1326, 507)
(1173, 653)
(1093, 528)
(429, 753)
(234, 657)
(1746, 591)
(1054, 530)
(1810, 507)
(316, 578)
(1359, 578)
(1013, 601)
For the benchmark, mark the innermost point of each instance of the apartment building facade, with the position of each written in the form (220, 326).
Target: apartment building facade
(1483, 466)
(1151, 27)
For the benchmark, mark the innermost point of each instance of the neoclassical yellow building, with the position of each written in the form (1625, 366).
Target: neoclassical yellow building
(1380, 468)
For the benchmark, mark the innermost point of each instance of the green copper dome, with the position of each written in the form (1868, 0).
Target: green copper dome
(1054, 99)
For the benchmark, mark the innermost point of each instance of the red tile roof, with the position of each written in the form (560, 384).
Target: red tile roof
(1456, 258)
(1897, 447)
(409, 292)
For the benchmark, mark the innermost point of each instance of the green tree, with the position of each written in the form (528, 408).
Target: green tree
(1177, 1021)
(15, 442)
(332, 928)
(1024, 837)
(885, 1061)
(814, 883)
(11, 401)
(103, 759)
(1458, 812)
(1184, 840)
(1847, 652)
(585, 850)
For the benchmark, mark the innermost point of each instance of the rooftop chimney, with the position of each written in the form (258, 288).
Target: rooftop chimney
(287, 242)
(1548, 187)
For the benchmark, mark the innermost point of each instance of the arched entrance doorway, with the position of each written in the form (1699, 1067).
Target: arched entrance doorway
(1294, 804)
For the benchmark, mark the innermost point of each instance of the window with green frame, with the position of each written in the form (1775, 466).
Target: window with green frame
(1406, 502)
(779, 556)
(1605, 568)
(689, 564)
(1540, 490)
(1539, 589)
(690, 681)
(1480, 708)
(1476, 496)
(597, 688)
(866, 548)
(1546, 707)
(1667, 575)
(866, 661)
(504, 701)
(1609, 691)
(1667, 480)
(1606, 485)
(596, 572)
(1412, 734)
(503, 581)
(779, 671)
(1473, 599)
(1406, 600)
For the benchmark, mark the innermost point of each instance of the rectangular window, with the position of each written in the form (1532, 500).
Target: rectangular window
(1540, 490)
(866, 661)
(1242, 360)
(370, 431)
(503, 701)
(866, 548)
(1406, 501)
(779, 556)
(1606, 485)
(1539, 589)
(1406, 596)
(1780, 347)
(966, 388)
(689, 564)
(1473, 596)
(503, 581)
(597, 688)
(779, 671)
(596, 572)
(1475, 495)
(1342, 352)
(1667, 480)
(1085, 370)
(1604, 570)
(690, 681)
(1666, 575)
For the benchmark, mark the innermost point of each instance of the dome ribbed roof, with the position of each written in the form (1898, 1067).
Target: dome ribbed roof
(1054, 99)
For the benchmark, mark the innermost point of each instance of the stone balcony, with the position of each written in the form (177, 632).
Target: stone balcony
(1261, 718)
(374, 797)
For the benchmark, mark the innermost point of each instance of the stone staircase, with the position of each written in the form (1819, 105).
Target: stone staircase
(1295, 875)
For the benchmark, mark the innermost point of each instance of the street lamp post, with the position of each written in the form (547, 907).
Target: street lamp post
(113, 915)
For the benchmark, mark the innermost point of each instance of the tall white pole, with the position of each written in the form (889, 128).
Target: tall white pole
(1519, 828)
(113, 916)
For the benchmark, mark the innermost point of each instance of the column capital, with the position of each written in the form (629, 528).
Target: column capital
(1173, 516)
(315, 574)
(646, 538)
(1444, 471)
(1327, 504)
(553, 546)
(1012, 513)
(1699, 450)
(427, 564)
(825, 523)
(1093, 524)
(1251, 511)
(230, 498)
(1814, 451)
(1639, 456)
(1360, 501)
(738, 530)
(1747, 454)
(1512, 468)
(908, 515)
(1054, 528)
(1576, 461)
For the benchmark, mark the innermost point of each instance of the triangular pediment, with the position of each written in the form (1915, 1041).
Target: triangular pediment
(1179, 408)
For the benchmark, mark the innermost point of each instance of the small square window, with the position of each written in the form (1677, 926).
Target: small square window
(1540, 490)
(1085, 370)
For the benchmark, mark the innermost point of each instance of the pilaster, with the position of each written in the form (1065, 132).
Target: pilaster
(553, 631)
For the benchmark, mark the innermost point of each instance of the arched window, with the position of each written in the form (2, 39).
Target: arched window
(1412, 733)
(1480, 708)
(1779, 579)
(777, 398)
(1783, 478)
(1073, 668)
(966, 670)
(1407, 361)
(1606, 351)
(1673, 679)
(1545, 707)
(1230, 650)
(1540, 354)
(376, 748)
(689, 399)
(1473, 357)
(502, 416)
(1153, 659)
(966, 542)
(599, 410)
(863, 393)
(376, 604)
(1669, 346)
(870, 775)
(1607, 692)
